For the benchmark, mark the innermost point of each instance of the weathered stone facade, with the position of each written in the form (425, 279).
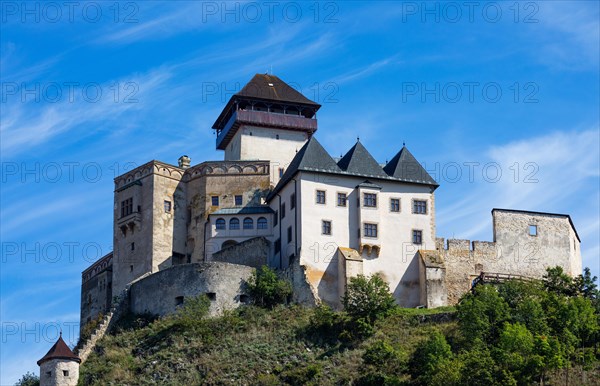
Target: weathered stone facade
(253, 253)
(513, 251)
(163, 292)
(59, 372)
(96, 289)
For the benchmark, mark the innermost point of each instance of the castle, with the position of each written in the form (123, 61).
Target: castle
(279, 199)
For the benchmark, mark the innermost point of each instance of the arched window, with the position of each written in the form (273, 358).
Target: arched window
(261, 223)
(234, 224)
(220, 223)
(248, 223)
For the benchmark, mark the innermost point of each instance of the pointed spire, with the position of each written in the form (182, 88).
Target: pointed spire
(405, 167)
(359, 161)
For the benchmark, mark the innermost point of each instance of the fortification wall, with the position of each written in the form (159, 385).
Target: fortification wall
(253, 253)
(163, 292)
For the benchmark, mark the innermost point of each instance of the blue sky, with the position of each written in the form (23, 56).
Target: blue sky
(509, 93)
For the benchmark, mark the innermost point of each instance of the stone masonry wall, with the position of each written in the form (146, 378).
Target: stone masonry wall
(253, 253)
(164, 291)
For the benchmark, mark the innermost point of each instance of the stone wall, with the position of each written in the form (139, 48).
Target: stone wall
(163, 292)
(59, 372)
(96, 289)
(253, 253)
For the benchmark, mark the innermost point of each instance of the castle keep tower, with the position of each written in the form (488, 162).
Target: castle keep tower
(266, 120)
(59, 367)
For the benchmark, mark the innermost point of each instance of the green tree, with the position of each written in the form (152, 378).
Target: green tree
(368, 298)
(267, 289)
(429, 358)
(28, 379)
(585, 285)
(558, 282)
(482, 315)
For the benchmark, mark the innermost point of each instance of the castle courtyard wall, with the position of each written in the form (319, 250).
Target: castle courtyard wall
(163, 292)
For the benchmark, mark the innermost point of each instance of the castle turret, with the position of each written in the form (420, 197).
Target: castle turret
(266, 120)
(59, 367)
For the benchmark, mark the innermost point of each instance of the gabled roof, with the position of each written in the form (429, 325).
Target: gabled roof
(405, 167)
(270, 87)
(369, 185)
(60, 350)
(359, 161)
(311, 157)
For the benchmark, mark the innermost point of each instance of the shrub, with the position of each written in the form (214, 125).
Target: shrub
(266, 289)
(28, 379)
(368, 298)
(428, 357)
(194, 309)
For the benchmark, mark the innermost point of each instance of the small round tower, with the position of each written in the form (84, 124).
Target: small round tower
(59, 367)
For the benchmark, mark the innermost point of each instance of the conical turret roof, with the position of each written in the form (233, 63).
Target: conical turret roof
(60, 350)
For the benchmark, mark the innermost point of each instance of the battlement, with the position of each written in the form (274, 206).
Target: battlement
(463, 245)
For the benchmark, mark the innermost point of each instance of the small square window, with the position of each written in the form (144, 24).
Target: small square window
(215, 200)
(238, 200)
(417, 236)
(370, 200)
(326, 227)
(395, 205)
(167, 205)
(342, 199)
(370, 230)
(533, 231)
(320, 197)
(178, 301)
(65, 373)
(420, 207)
(211, 296)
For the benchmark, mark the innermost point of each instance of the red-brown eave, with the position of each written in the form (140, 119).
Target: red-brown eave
(60, 350)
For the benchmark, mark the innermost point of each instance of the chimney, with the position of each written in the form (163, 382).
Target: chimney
(184, 162)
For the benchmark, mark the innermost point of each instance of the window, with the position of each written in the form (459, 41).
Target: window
(261, 223)
(417, 236)
(276, 218)
(283, 210)
(220, 223)
(395, 205)
(280, 172)
(211, 296)
(131, 268)
(167, 206)
(320, 197)
(65, 373)
(178, 301)
(370, 200)
(234, 224)
(244, 299)
(342, 198)
(133, 246)
(127, 207)
(370, 230)
(419, 207)
(276, 136)
(289, 235)
(293, 201)
(326, 227)
(277, 246)
(215, 200)
(533, 230)
(248, 223)
(238, 200)
(48, 373)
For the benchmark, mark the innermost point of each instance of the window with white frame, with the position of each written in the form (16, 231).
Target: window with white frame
(326, 227)
(342, 198)
(394, 205)
(417, 236)
(369, 230)
(320, 199)
(370, 200)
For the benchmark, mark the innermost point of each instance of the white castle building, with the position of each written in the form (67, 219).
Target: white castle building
(279, 199)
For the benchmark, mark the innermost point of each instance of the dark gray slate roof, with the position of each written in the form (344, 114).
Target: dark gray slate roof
(244, 210)
(369, 184)
(359, 161)
(405, 167)
(270, 87)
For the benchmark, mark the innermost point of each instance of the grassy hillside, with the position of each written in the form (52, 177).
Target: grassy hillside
(249, 346)
(518, 333)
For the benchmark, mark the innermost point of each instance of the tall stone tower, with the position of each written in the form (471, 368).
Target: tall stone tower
(59, 367)
(266, 120)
